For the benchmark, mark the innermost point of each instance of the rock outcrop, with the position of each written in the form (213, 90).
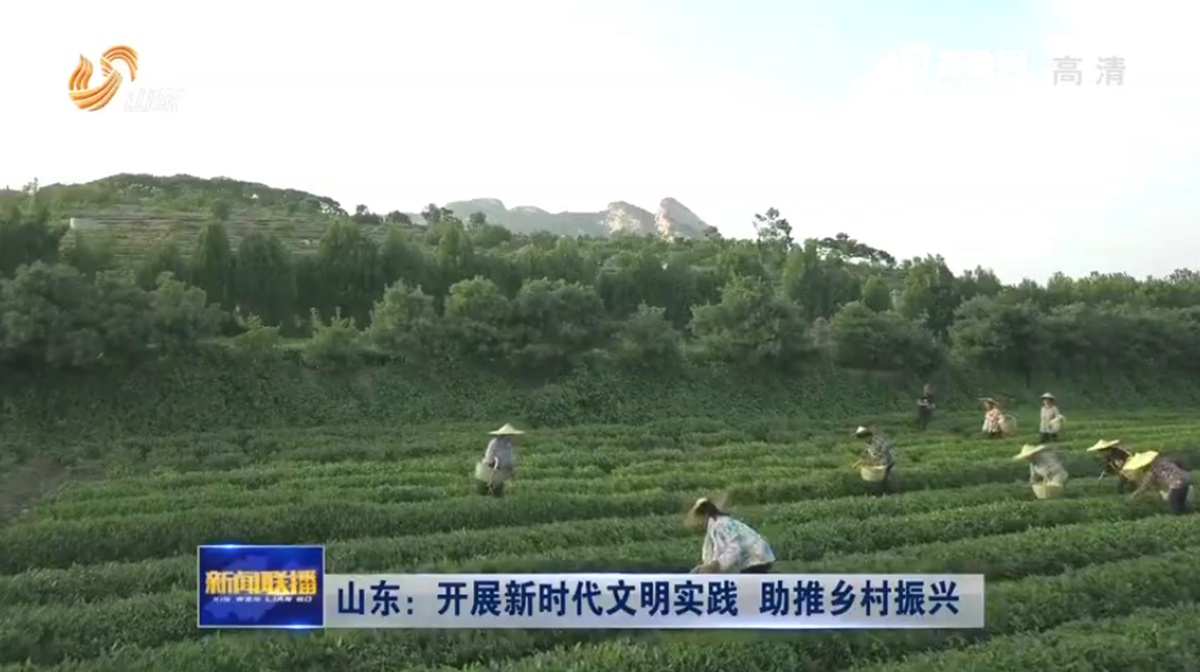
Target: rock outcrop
(626, 218)
(673, 219)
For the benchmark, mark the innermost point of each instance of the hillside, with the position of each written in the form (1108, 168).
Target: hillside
(135, 212)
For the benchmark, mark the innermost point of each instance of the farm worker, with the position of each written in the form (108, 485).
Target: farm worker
(1044, 466)
(1051, 420)
(993, 419)
(1157, 472)
(729, 544)
(882, 453)
(500, 458)
(1114, 456)
(925, 407)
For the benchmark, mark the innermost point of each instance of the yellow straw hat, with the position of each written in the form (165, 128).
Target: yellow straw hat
(1104, 445)
(1140, 461)
(1028, 451)
(507, 430)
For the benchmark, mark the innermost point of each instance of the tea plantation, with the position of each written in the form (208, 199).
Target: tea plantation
(99, 575)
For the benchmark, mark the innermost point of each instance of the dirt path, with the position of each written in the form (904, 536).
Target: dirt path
(23, 486)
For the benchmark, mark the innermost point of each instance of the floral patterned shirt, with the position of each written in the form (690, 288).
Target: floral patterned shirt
(734, 546)
(1164, 476)
(992, 421)
(881, 451)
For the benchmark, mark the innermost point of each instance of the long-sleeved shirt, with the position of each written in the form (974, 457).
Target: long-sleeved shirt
(1050, 420)
(992, 421)
(733, 545)
(501, 449)
(881, 451)
(1045, 466)
(1164, 476)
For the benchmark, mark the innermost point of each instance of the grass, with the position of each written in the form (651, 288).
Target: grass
(98, 574)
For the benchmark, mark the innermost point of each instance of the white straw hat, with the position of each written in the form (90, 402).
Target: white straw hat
(1140, 461)
(507, 430)
(1028, 451)
(1104, 445)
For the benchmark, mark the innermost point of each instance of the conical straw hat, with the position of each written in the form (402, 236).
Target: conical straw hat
(719, 500)
(1140, 461)
(1028, 451)
(1104, 445)
(692, 517)
(507, 430)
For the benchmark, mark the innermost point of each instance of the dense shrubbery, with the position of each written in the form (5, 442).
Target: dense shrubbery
(474, 291)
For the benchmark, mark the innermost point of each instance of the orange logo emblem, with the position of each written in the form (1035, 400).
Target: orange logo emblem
(92, 99)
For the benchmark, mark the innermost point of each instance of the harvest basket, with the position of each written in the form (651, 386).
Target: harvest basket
(1057, 424)
(872, 474)
(1008, 425)
(1047, 490)
(487, 474)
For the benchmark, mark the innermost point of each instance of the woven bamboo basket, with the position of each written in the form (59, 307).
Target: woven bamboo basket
(486, 474)
(872, 474)
(1047, 490)
(1009, 425)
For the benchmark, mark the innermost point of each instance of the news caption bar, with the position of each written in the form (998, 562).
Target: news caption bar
(285, 587)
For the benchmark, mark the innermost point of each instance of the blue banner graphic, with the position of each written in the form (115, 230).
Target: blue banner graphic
(243, 586)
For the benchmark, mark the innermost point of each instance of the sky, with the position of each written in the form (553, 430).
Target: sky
(847, 117)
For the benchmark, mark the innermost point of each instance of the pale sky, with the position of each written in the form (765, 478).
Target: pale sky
(730, 107)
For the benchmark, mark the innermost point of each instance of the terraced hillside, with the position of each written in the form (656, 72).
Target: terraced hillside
(101, 575)
(133, 229)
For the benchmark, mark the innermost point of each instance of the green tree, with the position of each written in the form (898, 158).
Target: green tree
(930, 294)
(212, 264)
(478, 319)
(876, 295)
(999, 335)
(347, 270)
(646, 340)
(882, 341)
(265, 279)
(164, 257)
(752, 326)
(405, 324)
(554, 324)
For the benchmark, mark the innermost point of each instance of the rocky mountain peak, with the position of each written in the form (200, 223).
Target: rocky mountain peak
(673, 219)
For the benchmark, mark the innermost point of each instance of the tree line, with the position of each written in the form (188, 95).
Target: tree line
(472, 290)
